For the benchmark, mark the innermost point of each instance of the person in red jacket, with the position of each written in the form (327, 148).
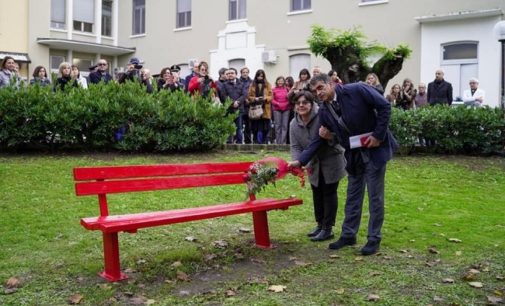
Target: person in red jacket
(202, 83)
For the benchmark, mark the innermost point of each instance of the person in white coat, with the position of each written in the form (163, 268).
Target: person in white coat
(474, 96)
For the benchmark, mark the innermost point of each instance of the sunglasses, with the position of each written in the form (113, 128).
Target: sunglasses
(304, 102)
(102, 64)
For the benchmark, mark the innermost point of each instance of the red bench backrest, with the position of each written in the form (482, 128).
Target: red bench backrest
(103, 180)
(117, 179)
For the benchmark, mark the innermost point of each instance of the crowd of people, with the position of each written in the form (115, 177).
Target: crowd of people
(264, 110)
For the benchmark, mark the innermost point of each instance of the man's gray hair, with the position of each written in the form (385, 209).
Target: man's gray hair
(322, 77)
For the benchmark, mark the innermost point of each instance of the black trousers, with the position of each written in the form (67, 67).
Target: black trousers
(325, 201)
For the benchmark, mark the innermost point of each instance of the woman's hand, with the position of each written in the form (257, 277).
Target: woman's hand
(325, 133)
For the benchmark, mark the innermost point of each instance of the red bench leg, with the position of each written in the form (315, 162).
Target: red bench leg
(261, 229)
(112, 270)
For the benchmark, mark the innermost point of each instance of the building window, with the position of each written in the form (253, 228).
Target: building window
(83, 65)
(139, 17)
(300, 5)
(55, 61)
(58, 17)
(459, 51)
(236, 63)
(106, 17)
(298, 62)
(183, 13)
(84, 15)
(237, 9)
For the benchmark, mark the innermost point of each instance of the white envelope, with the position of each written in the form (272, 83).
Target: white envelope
(357, 141)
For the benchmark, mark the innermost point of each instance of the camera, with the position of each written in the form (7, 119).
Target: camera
(138, 67)
(206, 77)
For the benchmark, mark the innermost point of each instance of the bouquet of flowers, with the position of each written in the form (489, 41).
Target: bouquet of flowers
(268, 170)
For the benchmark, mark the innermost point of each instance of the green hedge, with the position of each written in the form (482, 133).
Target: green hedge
(37, 117)
(453, 129)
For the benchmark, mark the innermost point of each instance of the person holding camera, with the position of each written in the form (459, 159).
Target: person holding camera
(132, 72)
(136, 73)
(202, 83)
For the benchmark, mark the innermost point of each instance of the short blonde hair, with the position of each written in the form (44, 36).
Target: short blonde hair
(62, 66)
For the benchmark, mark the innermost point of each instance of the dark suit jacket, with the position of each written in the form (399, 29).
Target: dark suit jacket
(96, 77)
(363, 110)
(439, 92)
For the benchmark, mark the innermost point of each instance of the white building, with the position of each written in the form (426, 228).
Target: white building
(456, 35)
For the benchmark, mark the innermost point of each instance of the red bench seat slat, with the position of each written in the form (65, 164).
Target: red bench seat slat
(121, 172)
(133, 222)
(105, 187)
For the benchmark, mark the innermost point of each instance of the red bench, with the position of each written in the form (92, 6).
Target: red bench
(101, 181)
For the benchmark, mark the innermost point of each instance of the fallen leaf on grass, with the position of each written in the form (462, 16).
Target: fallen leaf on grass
(471, 275)
(373, 297)
(10, 290)
(458, 253)
(437, 224)
(292, 258)
(257, 260)
(182, 276)
(12, 283)
(190, 239)
(176, 264)
(404, 251)
(244, 230)
(448, 281)
(432, 263)
(456, 240)
(150, 302)
(239, 255)
(476, 284)
(494, 300)
(359, 258)
(210, 257)
(388, 257)
(499, 277)
(141, 261)
(340, 291)
(302, 263)
(334, 256)
(433, 250)
(75, 299)
(230, 292)
(104, 286)
(277, 288)
(138, 300)
(220, 244)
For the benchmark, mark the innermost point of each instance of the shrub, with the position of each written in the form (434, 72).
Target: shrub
(453, 129)
(112, 116)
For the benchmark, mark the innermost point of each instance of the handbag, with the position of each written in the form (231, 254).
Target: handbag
(255, 112)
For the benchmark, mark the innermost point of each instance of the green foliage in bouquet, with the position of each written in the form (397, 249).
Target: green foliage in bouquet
(260, 175)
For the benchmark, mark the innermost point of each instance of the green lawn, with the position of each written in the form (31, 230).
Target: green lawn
(429, 202)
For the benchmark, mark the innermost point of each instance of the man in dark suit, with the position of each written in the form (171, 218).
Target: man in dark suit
(101, 73)
(350, 110)
(439, 91)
